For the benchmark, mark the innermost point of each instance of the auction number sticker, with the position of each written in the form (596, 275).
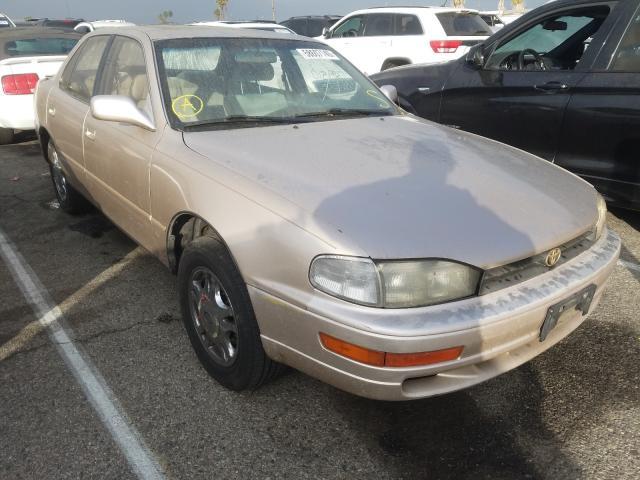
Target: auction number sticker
(187, 106)
(317, 54)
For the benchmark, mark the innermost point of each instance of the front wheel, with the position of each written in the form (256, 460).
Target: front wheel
(219, 318)
(70, 200)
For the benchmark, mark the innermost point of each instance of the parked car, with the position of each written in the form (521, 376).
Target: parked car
(65, 23)
(27, 55)
(263, 26)
(86, 27)
(311, 25)
(5, 21)
(380, 38)
(560, 83)
(389, 256)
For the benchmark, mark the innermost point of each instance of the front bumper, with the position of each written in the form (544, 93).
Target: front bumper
(499, 331)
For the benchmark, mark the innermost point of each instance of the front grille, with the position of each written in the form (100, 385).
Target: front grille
(511, 274)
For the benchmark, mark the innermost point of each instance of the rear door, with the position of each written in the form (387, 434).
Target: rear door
(524, 105)
(601, 135)
(68, 104)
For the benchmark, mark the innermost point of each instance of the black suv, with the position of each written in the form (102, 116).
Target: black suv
(311, 26)
(561, 82)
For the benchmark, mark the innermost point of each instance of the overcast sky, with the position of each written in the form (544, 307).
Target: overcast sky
(146, 11)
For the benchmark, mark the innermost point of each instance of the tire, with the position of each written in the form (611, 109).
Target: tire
(219, 319)
(70, 200)
(392, 64)
(6, 136)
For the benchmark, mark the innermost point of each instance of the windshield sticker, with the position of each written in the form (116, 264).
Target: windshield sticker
(317, 54)
(187, 106)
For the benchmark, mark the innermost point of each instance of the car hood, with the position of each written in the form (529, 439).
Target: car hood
(402, 187)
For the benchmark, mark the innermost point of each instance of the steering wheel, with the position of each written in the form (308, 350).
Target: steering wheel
(538, 62)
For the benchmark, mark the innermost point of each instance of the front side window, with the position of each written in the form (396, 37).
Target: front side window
(231, 83)
(80, 75)
(125, 72)
(627, 56)
(555, 43)
(352, 27)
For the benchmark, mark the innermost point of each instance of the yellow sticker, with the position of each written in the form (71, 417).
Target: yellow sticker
(187, 106)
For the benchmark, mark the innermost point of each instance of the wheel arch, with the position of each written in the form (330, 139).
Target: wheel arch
(186, 226)
(43, 139)
(398, 61)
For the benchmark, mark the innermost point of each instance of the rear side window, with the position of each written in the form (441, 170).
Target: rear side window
(79, 77)
(457, 24)
(378, 25)
(627, 57)
(28, 47)
(315, 27)
(407, 25)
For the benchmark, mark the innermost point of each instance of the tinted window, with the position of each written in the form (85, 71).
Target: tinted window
(377, 25)
(125, 72)
(315, 26)
(627, 58)
(297, 25)
(407, 25)
(352, 27)
(80, 75)
(463, 24)
(27, 47)
(542, 39)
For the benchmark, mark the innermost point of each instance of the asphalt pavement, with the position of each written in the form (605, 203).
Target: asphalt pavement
(573, 412)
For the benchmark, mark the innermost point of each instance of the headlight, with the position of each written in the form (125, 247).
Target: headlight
(393, 284)
(602, 216)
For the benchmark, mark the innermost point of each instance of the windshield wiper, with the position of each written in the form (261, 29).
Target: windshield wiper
(240, 119)
(344, 112)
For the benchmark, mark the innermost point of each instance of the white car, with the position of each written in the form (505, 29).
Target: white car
(86, 27)
(264, 26)
(376, 39)
(27, 54)
(5, 21)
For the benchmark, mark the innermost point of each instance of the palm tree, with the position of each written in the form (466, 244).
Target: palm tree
(165, 16)
(221, 9)
(518, 5)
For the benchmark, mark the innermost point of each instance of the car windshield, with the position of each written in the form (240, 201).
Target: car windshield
(235, 82)
(463, 24)
(27, 47)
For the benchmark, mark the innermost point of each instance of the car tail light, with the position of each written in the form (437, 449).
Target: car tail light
(385, 359)
(445, 46)
(21, 84)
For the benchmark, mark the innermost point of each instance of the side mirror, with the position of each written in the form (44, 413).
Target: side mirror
(475, 57)
(325, 32)
(390, 92)
(119, 108)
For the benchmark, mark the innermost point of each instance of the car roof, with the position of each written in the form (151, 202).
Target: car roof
(167, 32)
(30, 32)
(413, 9)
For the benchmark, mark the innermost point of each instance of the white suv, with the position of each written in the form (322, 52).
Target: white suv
(379, 38)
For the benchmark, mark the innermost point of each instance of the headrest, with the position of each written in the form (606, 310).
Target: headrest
(253, 72)
(139, 88)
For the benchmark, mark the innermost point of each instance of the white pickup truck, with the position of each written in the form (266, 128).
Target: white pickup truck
(27, 55)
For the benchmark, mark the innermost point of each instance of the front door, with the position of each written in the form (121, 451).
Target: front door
(520, 95)
(118, 155)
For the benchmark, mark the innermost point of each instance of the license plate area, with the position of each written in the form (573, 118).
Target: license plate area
(580, 301)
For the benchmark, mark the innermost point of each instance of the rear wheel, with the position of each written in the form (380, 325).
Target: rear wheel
(393, 64)
(6, 135)
(219, 318)
(70, 200)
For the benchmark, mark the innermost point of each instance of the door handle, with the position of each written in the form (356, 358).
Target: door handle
(52, 111)
(424, 90)
(551, 87)
(91, 135)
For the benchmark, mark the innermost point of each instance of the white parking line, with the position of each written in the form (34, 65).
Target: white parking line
(100, 396)
(629, 265)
